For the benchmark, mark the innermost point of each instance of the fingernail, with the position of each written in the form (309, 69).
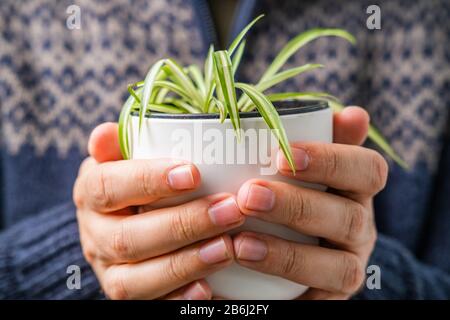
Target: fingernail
(225, 212)
(214, 251)
(259, 198)
(195, 292)
(181, 178)
(250, 248)
(301, 160)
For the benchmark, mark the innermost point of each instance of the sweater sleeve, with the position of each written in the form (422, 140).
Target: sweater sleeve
(35, 255)
(403, 276)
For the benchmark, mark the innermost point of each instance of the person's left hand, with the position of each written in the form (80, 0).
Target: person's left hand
(342, 218)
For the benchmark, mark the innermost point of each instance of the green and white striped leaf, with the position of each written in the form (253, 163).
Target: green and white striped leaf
(299, 41)
(246, 105)
(225, 85)
(285, 75)
(149, 83)
(242, 34)
(173, 87)
(124, 122)
(221, 108)
(272, 119)
(183, 106)
(209, 77)
(236, 60)
(301, 96)
(181, 78)
(166, 108)
(196, 75)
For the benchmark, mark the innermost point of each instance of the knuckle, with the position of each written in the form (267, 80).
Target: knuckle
(122, 244)
(331, 164)
(353, 273)
(100, 190)
(176, 268)
(379, 172)
(292, 261)
(144, 175)
(356, 222)
(182, 225)
(114, 285)
(299, 210)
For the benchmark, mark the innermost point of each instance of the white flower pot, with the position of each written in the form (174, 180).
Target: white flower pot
(210, 142)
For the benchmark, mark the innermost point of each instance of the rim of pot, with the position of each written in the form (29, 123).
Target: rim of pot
(288, 107)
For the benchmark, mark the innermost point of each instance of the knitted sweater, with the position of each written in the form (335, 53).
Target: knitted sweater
(57, 84)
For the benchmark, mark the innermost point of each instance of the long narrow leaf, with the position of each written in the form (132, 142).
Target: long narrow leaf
(236, 60)
(222, 109)
(196, 75)
(241, 35)
(173, 87)
(209, 78)
(180, 77)
(208, 69)
(180, 104)
(300, 96)
(124, 120)
(161, 95)
(284, 75)
(244, 104)
(148, 87)
(165, 108)
(299, 41)
(272, 119)
(224, 80)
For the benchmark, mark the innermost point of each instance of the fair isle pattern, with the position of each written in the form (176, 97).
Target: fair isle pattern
(400, 74)
(56, 84)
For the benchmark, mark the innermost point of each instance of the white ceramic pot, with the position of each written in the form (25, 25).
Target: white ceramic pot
(225, 165)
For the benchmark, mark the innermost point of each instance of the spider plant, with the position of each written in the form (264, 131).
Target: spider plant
(171, 88)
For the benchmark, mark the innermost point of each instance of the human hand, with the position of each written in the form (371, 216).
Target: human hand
(342, 218)
(161, 253)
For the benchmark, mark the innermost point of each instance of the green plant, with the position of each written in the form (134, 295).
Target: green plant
(171, 88)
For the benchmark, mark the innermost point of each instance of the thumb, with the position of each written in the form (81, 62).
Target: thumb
(350, 126)
(103, 143)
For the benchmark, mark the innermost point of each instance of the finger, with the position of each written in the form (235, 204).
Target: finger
(157, 277)
(350, 126)
(337, 219)
(348, 168)
(103, 143)
(197, 290)
(115, 185)
(313, 266)
(142, 236)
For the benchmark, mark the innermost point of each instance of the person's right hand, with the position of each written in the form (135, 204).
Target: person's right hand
(162, 253)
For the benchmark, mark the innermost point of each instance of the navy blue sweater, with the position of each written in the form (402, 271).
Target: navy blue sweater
(57, 84)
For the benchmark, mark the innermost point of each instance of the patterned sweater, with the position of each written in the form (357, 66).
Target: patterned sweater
(57, 84)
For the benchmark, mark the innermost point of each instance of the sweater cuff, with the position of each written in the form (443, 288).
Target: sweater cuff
(35, 255)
